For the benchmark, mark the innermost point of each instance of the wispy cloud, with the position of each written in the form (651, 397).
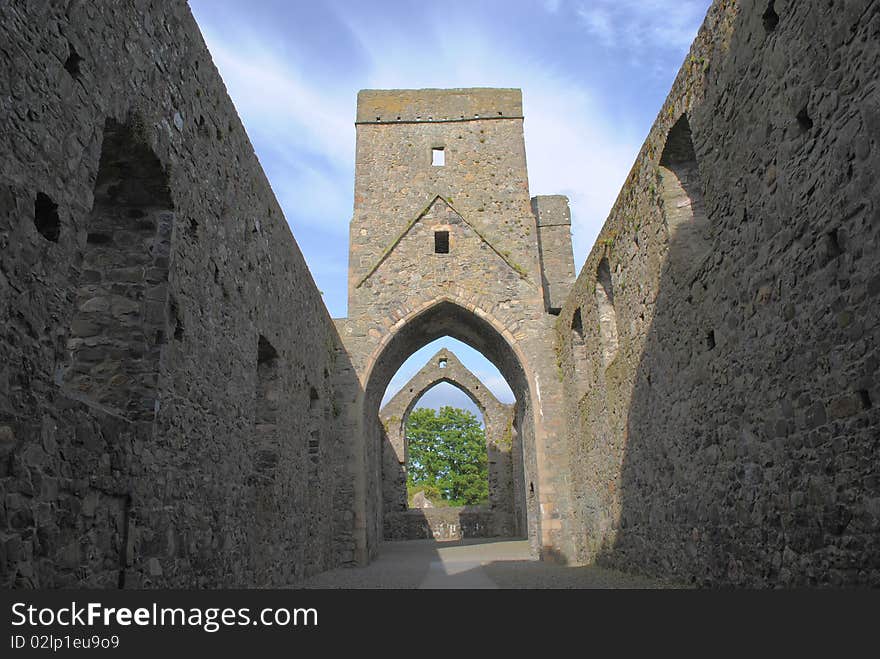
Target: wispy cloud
(641, 25)
(572, 149)
(597, 21)
(574, 152)
(304, 127)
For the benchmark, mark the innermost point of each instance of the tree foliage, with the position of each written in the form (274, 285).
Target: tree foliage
(447, 454)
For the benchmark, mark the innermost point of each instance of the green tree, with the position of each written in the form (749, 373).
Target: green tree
(447, 451)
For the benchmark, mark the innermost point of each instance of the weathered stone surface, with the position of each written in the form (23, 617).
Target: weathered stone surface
(132, 324)
(731, 437)
(453, 523)
(554, 242)
(178, 410)
(452, 249)
(7, 439)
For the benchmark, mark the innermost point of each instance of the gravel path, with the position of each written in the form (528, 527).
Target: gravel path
(472, 564)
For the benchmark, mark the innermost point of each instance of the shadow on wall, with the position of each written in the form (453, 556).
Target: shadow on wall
(734, 439)
(175, 403)
(94, 417)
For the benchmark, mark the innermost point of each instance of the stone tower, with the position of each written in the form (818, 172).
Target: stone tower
(446, 240)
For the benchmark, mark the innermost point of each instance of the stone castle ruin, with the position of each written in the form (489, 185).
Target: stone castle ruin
(461, 250)
(177, 408)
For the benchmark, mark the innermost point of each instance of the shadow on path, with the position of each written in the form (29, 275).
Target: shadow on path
(476, 563)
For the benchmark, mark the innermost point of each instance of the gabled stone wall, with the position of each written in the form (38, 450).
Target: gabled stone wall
(452, 249)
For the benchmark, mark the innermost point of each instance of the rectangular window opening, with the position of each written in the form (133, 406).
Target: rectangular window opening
(441, 242)
(438, 156)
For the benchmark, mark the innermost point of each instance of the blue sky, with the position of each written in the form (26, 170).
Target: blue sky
(594, 74)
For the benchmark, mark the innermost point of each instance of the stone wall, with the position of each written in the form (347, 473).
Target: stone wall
(177, 409)
(172, 391)
(453, 523)
(720, 346)
(554, 245)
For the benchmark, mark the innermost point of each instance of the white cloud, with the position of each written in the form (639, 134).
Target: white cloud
(571, 148)
(280, 100)
(642, 25)
(302, 122)
(298, 120)
(598, 23)
(312, 196)
(574, 152)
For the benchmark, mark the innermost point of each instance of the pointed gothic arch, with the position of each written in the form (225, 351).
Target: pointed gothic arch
(498, 419)
(476, 328)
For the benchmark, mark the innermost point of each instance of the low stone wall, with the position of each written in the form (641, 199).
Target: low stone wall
(448, 524)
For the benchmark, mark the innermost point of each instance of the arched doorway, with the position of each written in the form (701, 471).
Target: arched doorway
(504, 512)
(457, 249)
(477, 329)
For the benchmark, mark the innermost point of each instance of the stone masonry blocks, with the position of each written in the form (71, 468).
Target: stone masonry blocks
(178, 410)
(142, 258)
(731, 440)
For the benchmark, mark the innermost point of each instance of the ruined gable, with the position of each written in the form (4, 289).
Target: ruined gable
(440, 247)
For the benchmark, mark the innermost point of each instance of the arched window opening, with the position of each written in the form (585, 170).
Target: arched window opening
(121, 314)
(449, 441)
(447, 457)
(578, 349)
(476, 331)
(267, 386)
(267, 403)
(682, 196)
(770, 18)
(607, 313)
(46, 218)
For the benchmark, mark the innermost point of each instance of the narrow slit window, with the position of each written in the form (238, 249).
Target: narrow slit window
(441, 242)
(438, 156)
